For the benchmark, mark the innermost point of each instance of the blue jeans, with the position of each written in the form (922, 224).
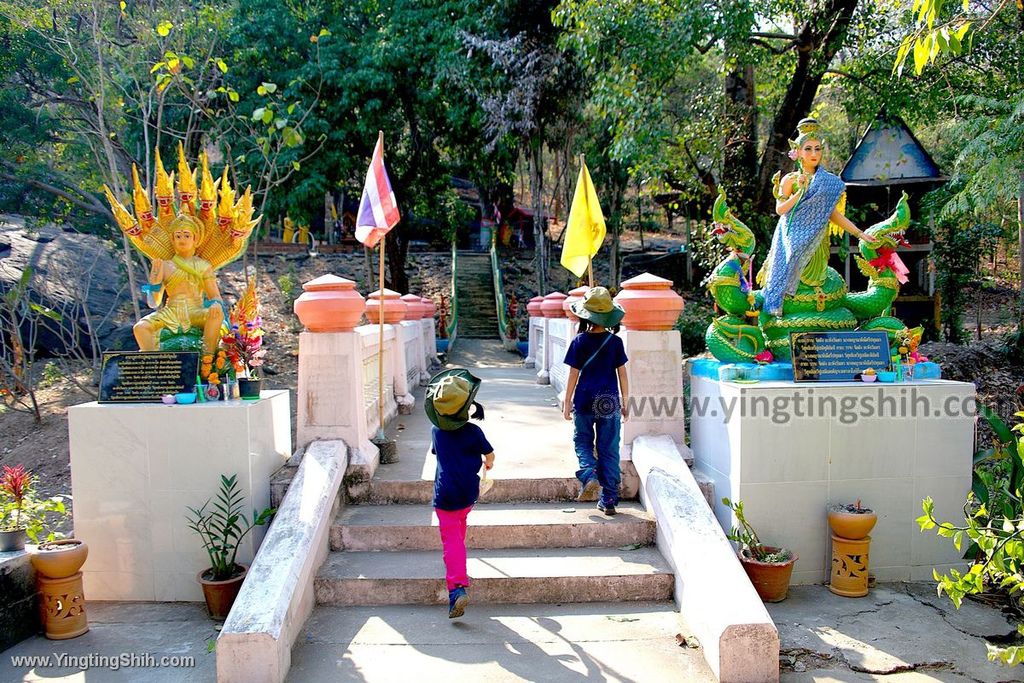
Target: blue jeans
(606, 465)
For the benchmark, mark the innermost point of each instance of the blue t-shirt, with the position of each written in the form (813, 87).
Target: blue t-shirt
(457, 480)
(597, 392)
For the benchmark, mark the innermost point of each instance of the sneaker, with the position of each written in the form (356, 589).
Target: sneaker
(608, 510)
(589, 491)
(457, 601)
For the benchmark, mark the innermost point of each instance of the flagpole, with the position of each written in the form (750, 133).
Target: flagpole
(380, 341)
(590, 259)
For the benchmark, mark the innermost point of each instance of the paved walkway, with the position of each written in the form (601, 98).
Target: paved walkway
(522, 421)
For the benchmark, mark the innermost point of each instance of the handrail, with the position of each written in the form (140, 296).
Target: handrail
(499, 289)
(452, 329)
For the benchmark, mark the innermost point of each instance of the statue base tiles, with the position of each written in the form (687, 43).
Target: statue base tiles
(191, 236)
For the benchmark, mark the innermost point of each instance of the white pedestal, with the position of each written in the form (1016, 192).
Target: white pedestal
(134, 468)
(559, 335)
(655, 372)
(787, 450)
(543, 351)
(535, 337)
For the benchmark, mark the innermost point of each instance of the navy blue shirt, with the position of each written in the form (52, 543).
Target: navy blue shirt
(597, 392)
(457, 480)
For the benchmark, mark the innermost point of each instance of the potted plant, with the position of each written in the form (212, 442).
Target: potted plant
(850, 520)
(221, 529)
(768, 567)
(244, 343)
(22, 511)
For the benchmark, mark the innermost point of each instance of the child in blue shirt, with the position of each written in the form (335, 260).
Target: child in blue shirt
(460, 447)
(596, 395)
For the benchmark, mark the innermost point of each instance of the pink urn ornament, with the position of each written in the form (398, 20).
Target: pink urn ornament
(413, 307)
(574, 296)
(394, 308)
(649, 302)
(429, 307)
(552, 305)
(330, 304)
(533, 307)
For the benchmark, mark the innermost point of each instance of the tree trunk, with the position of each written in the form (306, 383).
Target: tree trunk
(396, 249)
(818, 40)
(739, 159)
(536, 190)
(1020, 258)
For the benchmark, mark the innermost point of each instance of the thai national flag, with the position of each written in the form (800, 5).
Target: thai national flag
(378, 211)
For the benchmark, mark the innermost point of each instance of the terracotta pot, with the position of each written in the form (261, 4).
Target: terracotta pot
(59, 559)
(574, 296)
(551, 307)
(533, 307)
(12, 540)
(649, 302)
(851, 525)
(220, 595)
(413, 307)
(429, 307)
(330, 304)
(394, 307)
(770, 580)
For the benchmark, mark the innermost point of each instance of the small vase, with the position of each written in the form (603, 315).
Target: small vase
(12, 540)
(249, 388)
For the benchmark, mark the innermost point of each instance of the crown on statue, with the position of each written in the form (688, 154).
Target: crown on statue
(226, 224)
(807, 128)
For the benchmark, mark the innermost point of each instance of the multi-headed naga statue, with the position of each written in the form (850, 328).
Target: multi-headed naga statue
(801, 293)
(187, 242)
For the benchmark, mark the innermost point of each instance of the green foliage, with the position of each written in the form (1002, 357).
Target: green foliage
(224, 526)
(22, 508)
(991, 532)
(957, 255)
(52, 374)
(692, 324)
(745, 535)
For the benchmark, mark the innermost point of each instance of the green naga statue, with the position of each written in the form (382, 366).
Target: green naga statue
(800, 292)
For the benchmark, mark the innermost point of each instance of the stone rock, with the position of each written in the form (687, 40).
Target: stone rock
(79, 276)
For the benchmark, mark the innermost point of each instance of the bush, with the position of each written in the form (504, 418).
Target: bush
(992, 526)
(692, 324)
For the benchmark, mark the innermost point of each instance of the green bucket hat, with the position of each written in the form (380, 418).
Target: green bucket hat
(598, 308)
(450, 394)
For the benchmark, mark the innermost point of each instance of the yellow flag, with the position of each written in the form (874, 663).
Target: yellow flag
(585, 231)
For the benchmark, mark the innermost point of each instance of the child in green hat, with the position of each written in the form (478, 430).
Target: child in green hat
(596, 395)
(459, 446)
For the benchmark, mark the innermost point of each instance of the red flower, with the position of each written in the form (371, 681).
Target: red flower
(764, 357)
(15, 482)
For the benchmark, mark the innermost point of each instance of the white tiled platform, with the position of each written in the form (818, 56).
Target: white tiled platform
(135, 468)
(786, 467)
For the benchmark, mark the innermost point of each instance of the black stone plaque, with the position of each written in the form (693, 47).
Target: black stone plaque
(837, 356)
(145, 376)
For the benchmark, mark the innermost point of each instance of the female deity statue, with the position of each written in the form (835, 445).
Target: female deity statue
(187, 242)
(808, 200)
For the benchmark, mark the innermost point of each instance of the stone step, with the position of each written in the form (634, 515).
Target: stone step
(493, 526)
(547, 575)
(541, 490)
(598, 641)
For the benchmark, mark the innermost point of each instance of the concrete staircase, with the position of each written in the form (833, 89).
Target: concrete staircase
(521, 552)
(474, 288)
(559, 591)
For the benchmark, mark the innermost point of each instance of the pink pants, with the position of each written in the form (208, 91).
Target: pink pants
(452, 524)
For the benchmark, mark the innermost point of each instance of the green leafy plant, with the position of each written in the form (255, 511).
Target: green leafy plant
(223, 527)
(748, 539)
(993, 526)
(22, 508)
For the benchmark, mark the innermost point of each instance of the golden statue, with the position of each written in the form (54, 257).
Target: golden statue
(186, 244)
